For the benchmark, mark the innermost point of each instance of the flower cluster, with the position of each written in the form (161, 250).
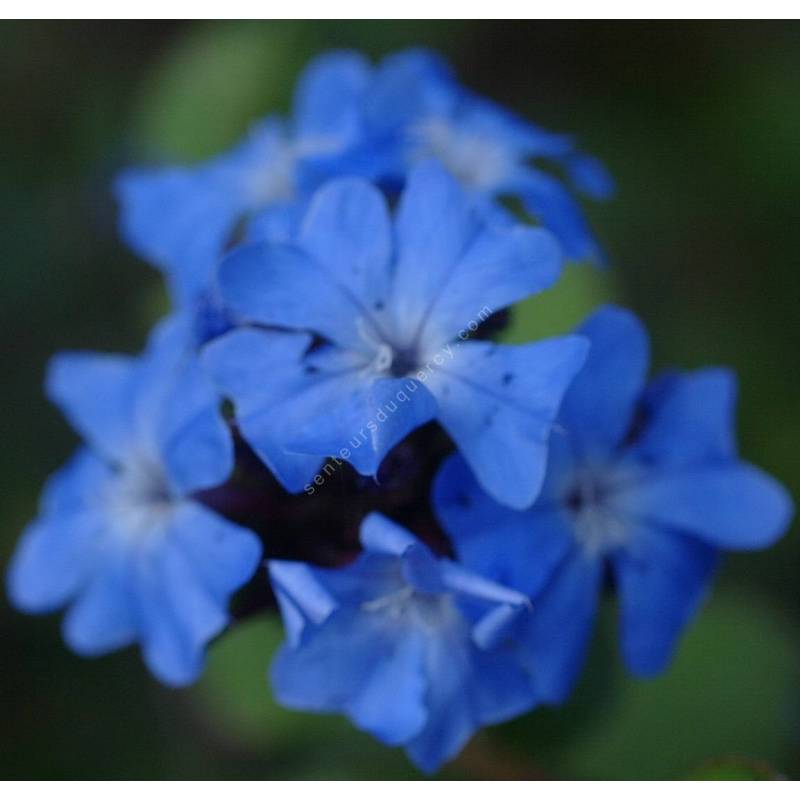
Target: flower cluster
(338, 279)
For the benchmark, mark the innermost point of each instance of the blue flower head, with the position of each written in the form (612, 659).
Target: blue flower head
(408, 646)
(392, 303)
(182, 218)
(119, 538)
(642, 480)
(415, 101)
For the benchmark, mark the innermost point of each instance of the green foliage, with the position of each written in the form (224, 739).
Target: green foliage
(733, 688)
(734, 769)
(578, 292)
(212, 84)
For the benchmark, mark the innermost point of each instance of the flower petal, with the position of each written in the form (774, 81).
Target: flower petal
(502, 266)
(689, 418)
(516, 549)
(434, 227)
(262, 373)
(279, 284)
(223, 555)
(328, 94)
(181, 219)
(377, 679)
(347, 230)
(661, 579)
(735, 506)
(95, 392)
(179, 616)
(499, 402)
(195, 443)
(555, 637)
(599, 406)
(301, 597)
(553, 206)
(103, 618)
(54, 559)
(363, 420)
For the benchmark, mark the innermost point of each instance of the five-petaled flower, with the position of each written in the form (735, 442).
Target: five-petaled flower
(642, 479)
(409, 646)
(181, 218)
(415, 102)
(388, 299)
(119, 538)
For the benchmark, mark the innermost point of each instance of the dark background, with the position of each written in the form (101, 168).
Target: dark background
(700, 123)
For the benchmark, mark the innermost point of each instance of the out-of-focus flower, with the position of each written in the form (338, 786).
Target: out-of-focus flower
(415, 102)
(119, 538)
(182, 218)
(392, 303)
(408, 646)
(644, 481)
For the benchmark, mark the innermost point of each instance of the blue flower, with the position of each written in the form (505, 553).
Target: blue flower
(415, 101)
(182, 218)
(393, 303)
(408, 646)
(119, 538)
(643, 481)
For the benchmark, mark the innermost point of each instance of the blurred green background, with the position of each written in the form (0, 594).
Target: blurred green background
(700, 123)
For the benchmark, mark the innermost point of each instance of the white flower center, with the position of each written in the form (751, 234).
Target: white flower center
(599, 527)
(140, 499)
(275, 180)
(478, 162)
(388, 360)
(407, 605)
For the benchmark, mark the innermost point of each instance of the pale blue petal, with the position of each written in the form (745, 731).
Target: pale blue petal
(589, 175)
(54, 559)
(262, 373)
(407, 86)
(662, 578)
(278, 284)
(434, 228)
(500, 267)
(503, 686)
(364, 419)
(555, 637)
(380, 535)
(95, 393)
(452, 712)
(377, 679)
(302, 598)
(498, 403)
(179, 220)
(327, 100)
(347, 230)
(734, 506)
(76, 486)
(194, 441)
(179, 616)
(546, 199)
(689, 418)
(391, 703)
(516, 549)
(104, 617)
(223, 555)
(182, 219)
(280, 222)
(500, 128)
(422, 570)
(465, 583)
(599, 406)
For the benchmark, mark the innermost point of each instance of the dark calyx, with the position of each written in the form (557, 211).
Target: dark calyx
(322, 528)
